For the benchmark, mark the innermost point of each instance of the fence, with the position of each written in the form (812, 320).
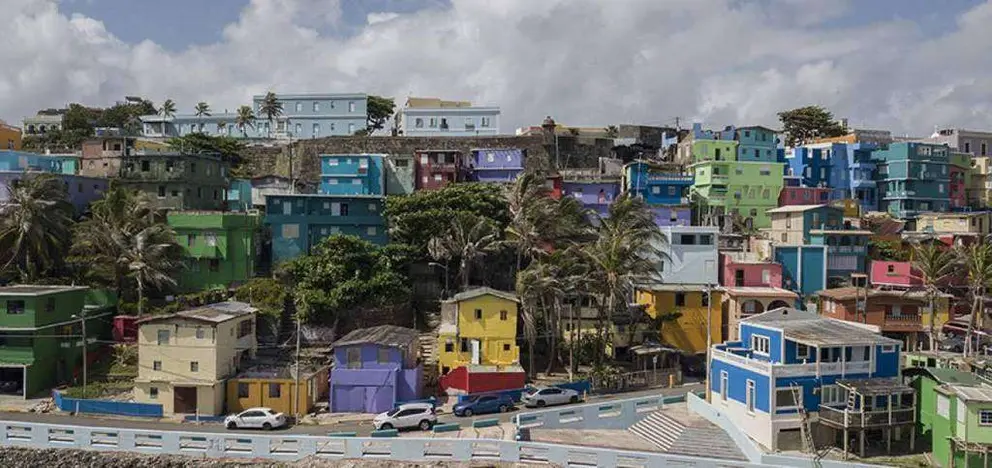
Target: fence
(636, 380)
(607, 415)
(120, 408)
(296, 447)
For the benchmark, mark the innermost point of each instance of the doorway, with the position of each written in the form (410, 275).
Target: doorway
(184, 400)
(739, 278)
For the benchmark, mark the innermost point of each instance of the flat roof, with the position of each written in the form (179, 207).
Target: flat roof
(760, 291)
(851, 292)
(383, 335)
(812, 329)
(882, 386)
(796, 208)
(36, 290)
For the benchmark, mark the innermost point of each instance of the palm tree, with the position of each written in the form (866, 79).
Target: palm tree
(35, 226)
(270, 108)
(612, 131)
(977, 261)
(530, 210)
(221, 126)
(202, 109)
(168, 108)
(151, 257)
(245, 118)
(469, 239)
(935, 264)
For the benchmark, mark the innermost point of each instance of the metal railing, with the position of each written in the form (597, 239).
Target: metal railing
(866, 419)
(617, 414)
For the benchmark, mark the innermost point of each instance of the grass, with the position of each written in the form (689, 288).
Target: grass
(105, 378)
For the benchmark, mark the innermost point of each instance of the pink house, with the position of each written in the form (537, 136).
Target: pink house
(804, 196)
(900, 274)
(742, 269)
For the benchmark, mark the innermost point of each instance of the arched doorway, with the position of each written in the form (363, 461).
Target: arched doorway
(778, 304)
(751, 307)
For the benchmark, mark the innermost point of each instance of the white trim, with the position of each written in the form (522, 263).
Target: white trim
(755, 339)
(808, 349)
(724, 386)
(749, 404)
(789, 389)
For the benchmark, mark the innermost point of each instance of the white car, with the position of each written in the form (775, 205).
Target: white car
(408, 415)
(549, 396)
(260, 418)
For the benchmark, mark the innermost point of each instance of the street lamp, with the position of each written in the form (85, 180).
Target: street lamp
(445, 268)
(82, 317)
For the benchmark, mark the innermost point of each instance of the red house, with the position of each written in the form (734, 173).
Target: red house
(481, 379)
(434, 169)
(743, 269)
(804, 196)
(898, 274)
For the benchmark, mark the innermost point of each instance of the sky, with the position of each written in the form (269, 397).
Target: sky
(904, 65)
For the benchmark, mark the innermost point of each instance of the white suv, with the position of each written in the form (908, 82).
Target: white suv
(419, 415)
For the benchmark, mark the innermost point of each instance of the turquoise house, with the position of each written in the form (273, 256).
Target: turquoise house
(352, 174)
(299, 222)
(804, 267)
(913, 178)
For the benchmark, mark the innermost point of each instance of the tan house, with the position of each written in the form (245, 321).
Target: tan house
(185, 357)
(978, 223)
(740, 303)
(791, 224)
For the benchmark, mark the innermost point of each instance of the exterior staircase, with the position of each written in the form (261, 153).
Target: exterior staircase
(678, 431)
(428, 357)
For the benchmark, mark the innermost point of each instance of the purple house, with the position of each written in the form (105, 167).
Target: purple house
(375, 368)
(595, 193)
(496, 165)
(81, 190)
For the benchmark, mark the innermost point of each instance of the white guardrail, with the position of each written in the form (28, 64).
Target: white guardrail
(296, 447)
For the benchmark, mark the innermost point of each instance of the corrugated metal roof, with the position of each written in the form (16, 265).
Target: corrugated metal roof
(794, 208)
(952, 376)
(383, 335)
(760, 291)
(472, 293)
(811, 329)
(977, 393)
(213, 313)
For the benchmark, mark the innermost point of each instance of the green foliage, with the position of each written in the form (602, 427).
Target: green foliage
(414, 219)
(268, 295)
(202, 109)
(124, 115)
(379, 110)
(81, 120)
(168, 108)
(612, 131)
(246, 118)
(887, 250)
(346, 279)
(805, 124)
(35, 227)
(270, 108)
(229, 148)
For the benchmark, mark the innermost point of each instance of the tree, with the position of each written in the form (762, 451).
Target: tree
(151, 257)
(125, 114)
(35, 226)
(977, 262)
(805, 124)
(934, 264)
(612, 131)
(202, 109)
(530, 209)
(168, 108)
(414, 219)
(270, 108)
(467, 241)
(246, 118)
(230, 149)
(379, 109)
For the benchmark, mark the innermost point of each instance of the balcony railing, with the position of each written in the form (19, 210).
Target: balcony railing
(868, 419)
(742, 360)
(719, 179)
(669, 178)
(847, 249)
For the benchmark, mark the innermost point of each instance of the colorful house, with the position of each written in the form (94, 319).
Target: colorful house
(80, 190)
(847, 250)
(273, 384)
(19, 161)
(434, 169)
(804, 267)
(664, 188)
(501, 165)
(299, 222)
(756, 143)
(846, 376)
(979, 191)
(479, 332)
(965, 223)
(750, 286)
(746, 188)
(176, 180)
(43, 342)
(352, 174)
(696, 305)
(596, 192)
(374, 369)
(435, 117)
(10, 137)
(220, 248)
(955, 410)
(801, 195)
(902, 315)
(185, 358)
(891, 274)
(791, 224)
(913, 178)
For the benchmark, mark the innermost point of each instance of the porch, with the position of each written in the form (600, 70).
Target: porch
(887, 405)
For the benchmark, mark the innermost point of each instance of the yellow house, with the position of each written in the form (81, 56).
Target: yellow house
(184, 358)
(479, 327)
(10, 137)
(688, 332)
(274, 386)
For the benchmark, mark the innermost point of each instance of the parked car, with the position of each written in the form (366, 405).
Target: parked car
(482, 404)
(549, 397)
(420, 415)
(259, 418)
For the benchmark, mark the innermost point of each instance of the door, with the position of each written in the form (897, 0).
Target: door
(184, 400)
(476, 355)
(739, 278)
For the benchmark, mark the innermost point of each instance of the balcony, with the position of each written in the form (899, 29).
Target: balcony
(670, 178)
(902, 323)
(847, 249)
(818, 369)
(899, 194)
(719, 179)
(863, 183)
(844, 418)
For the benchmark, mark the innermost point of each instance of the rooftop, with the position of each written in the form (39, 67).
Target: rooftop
(663, 287)
(869, 387)
(850, 293)
(383, 335)
(850, 232)
(976, 393)
(795, 208)
(36, 290)
(483, 291)
(213, 313)
(760, 291)
(278, 368)
(811, 329)
(951, 376)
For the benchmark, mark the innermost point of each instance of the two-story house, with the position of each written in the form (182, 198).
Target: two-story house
(184, 358)
(478, 335)
(900, 314)
(844, 375)
(434, 169)
(501, 165)
(299, 222)
(664, 188)
(751, 285)
(436, 117)
(955, 410)
(791, 224)
(374, 369)
(595, 191)
(42, 343)
(220, 248)
(177, 180)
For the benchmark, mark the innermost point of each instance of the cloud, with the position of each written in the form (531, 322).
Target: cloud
(586, 62)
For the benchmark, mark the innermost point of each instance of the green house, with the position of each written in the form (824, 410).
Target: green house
(41, 344)
(956, 410)
(220, 248)
(177, 180)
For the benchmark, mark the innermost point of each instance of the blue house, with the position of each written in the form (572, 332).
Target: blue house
(812, 165)
(20, 161)
(496, 165)
(847, 250)
(804, 267)
(374, 369)
(913, 178)
(595, 192)
(845, 375)
(860, 183)
(664, 188)
(757, 143)
(300, 221)
(304, 116)
(352, 174)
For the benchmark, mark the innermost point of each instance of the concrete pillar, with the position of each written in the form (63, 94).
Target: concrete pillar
(861, 435)
(847, 438)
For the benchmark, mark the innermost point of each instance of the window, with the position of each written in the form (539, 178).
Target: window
(785, 237)
(962, 410)
(373, 207)
(161, 191)
(299, 107)
(157, 365)
(888, 348)
(705, 239)
(371, 230)
(739, 170)
(832, 395)
(433, 122)
(943, 406)
(750, 396)
(438, 178)
(983, 149)
(192, 168)
(754, 212)
(199, 333)
(760, 344)
(484, 122)
(490, 157)
(354, 356)
(464, 345)
(316, 106)
(680, 299)
(765, 170)
(503, 315)
(940, 188)
(344, 209)
(723, 385)
(449, 347)
(175, 193)
(299, 129)
(418, 123)
(275, 390)
(194, 366)
(163, 337)
(802, 351)
(153, 393)
(145, 166)
(985, 416)
(214, 265)
(785, 399)
(705, 299)
(506, 346)
(382, 356)
(766, 277)
(478, 314)
(316, 130)
(242, 390)
(469, 123)
(351, 106)
(687, 239)
(351, 129)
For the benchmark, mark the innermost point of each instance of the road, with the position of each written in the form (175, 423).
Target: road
(362, 428)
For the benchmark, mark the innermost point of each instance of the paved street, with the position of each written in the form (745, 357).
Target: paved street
(363, 428)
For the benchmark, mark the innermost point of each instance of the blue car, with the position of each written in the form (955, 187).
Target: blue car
(482, 404)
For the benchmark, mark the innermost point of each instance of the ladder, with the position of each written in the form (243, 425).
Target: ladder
(809, 445)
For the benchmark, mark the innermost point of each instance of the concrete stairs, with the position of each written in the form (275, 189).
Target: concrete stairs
(428, 356)
(678, 431)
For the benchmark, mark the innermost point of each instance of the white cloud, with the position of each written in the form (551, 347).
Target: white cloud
(586, 62)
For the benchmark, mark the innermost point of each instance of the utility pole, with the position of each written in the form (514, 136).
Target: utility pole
(298, 369)
(82, 315)
(292, 184)
(709, 336)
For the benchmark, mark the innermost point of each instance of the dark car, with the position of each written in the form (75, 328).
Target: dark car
(482, 404)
